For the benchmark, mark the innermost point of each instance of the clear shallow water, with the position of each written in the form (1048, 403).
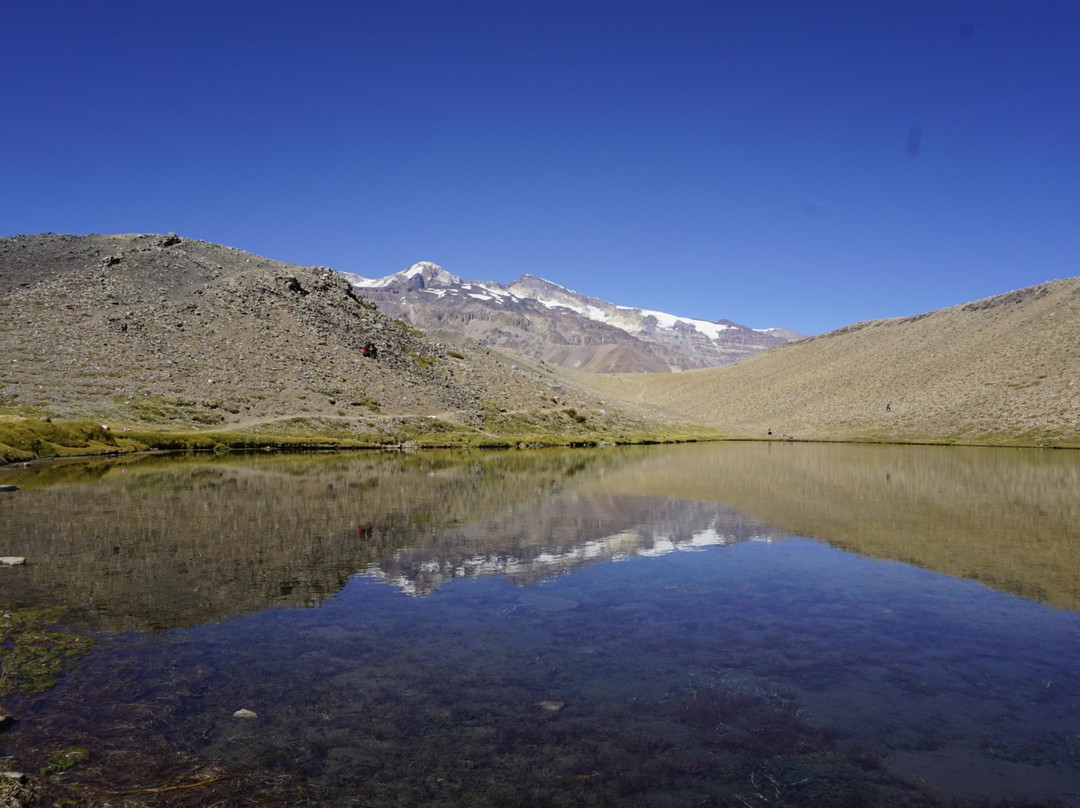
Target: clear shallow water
(575, 643)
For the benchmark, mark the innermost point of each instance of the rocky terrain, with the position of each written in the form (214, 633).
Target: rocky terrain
(168, 330)
(1001, 370)
(545, 321)
(139, 331)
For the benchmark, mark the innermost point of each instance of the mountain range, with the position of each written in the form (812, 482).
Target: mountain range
(550, 323)
(159, 340)
(144, 331)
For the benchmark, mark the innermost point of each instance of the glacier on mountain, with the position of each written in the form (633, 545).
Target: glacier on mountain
(653, 341)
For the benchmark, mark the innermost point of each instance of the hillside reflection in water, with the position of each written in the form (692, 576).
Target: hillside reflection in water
(474, 644)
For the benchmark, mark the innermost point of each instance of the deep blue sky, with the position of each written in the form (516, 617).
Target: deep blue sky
(798, 164)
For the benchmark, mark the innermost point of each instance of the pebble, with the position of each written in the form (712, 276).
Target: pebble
(245, 713)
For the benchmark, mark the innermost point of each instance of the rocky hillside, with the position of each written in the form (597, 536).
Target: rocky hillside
(163, 329)
(179, 334)
(548, 322)
(1001, 370)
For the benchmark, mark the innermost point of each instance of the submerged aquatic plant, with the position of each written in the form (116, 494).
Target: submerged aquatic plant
(33, 654)
(65, 759)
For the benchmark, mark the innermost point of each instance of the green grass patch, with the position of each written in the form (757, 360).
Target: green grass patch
(365, 401)
(9, 406)
(159, 409)
(426, 432)
(416, 333)
(30, 439)
(426, 362)
(575, 416)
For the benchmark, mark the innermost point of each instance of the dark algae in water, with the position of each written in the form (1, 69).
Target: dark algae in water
(33, 652)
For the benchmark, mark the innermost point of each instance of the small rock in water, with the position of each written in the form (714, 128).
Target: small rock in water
(12, 561)
(552, 706)
(18, 777)
(9, 488)
(6, 721)
(245, 713)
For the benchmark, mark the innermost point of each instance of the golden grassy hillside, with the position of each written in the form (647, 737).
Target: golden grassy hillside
(1001, 370)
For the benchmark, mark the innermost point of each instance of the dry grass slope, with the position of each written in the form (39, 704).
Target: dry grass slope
(154, 334)
(1004, 370)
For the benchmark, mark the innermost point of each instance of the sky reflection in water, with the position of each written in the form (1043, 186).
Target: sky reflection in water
(767, 671)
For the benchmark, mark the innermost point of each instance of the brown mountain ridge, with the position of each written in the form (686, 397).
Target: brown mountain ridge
(1005, 369)
(150, 329)
(142, 331)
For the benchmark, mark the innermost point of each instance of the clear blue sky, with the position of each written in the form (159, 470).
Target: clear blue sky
(799, 164)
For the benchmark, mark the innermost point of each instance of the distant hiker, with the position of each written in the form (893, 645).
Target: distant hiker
(888, 406)
(369, 351)
(770, 433)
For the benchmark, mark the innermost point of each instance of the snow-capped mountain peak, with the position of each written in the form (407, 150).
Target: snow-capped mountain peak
(542, 319)
(430, 274)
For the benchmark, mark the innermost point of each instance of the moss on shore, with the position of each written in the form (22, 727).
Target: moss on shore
(25, 439)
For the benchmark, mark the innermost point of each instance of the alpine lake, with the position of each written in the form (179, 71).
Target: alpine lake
(726, 624)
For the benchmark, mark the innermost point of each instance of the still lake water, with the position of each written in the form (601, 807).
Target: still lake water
(741, 624)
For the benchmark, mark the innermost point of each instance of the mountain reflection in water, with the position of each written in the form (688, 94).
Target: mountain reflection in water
(527, 668)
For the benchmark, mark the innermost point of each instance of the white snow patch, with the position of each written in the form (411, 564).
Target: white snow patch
(585, 310)
(666, 320)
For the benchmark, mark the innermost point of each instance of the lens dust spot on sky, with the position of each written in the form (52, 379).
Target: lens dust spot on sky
(914, 140)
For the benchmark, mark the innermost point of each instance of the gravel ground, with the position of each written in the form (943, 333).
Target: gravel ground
(162, 328)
